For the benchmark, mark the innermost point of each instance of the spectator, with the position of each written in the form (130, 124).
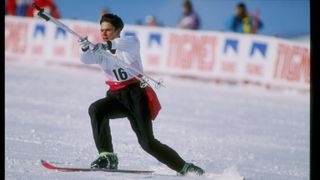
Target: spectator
(48, 5)
(17, 7)
(189, 19)
(152, 21)
(104, 11)
(243, 22)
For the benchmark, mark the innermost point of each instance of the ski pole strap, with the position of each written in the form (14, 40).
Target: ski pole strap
(114, 85)
(40, 13)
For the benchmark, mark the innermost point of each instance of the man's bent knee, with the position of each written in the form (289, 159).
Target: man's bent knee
(148, 145)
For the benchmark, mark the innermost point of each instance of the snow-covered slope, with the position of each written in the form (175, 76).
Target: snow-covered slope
(230, 131)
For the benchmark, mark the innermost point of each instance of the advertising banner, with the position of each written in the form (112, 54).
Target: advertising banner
(187, 53)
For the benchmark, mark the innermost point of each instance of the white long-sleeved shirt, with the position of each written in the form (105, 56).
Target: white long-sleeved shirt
(127, 50)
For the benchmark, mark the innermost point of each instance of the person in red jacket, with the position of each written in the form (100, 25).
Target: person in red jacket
(17, 7)
(48, 5)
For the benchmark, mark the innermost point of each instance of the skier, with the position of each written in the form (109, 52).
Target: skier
(125, 98)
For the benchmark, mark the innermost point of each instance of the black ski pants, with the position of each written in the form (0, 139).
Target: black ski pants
(130, 102)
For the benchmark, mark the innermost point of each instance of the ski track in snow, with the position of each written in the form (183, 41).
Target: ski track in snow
(230, 131)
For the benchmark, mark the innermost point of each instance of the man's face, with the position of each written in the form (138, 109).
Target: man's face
(108, 31)
(186, 9)
(239, 11)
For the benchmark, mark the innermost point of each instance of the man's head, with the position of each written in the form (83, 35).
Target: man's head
(187, 7)
(110, 26)
(241, 10)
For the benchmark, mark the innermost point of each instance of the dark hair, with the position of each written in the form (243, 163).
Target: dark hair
(113, 19)
(242, 5)
(187, 4)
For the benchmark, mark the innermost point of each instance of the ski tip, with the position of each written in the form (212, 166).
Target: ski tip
(47, 165)
(43, 161)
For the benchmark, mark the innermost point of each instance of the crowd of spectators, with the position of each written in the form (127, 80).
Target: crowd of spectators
(241, 22)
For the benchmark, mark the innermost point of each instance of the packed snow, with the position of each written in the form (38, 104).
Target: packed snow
(229, 130)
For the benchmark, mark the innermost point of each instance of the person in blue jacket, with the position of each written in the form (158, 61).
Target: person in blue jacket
(243, 22)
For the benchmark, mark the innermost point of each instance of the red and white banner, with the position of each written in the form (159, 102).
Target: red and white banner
(199, 54)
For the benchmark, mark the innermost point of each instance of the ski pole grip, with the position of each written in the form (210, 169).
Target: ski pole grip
(41, 12)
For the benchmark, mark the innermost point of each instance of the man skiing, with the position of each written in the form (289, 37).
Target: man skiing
(125, 98)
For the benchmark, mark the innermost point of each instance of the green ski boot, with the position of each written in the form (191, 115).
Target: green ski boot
(191, 168)
(106, 160)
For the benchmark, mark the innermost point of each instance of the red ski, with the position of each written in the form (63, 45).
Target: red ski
(71, 169)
